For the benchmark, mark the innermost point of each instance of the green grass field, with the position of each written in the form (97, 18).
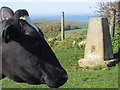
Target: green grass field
(68, 55)
(77, 79)
(75, 33)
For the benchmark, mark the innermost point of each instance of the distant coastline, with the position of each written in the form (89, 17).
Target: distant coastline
(67, 17)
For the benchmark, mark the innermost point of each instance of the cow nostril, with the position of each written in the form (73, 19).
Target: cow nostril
(65, 76)
(60, 70)
(63, 73)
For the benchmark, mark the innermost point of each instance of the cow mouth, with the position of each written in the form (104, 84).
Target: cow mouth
(58, 82)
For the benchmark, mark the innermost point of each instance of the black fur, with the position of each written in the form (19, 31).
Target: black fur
(27, 57)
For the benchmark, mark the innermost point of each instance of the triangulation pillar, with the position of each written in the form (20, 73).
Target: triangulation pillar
(98, 44)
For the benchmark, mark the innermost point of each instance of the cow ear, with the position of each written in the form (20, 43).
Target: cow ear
(6, 13)
(8, 33)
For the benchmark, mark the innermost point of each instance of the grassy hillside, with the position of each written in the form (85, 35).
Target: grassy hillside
(80, 24)
(51, 28)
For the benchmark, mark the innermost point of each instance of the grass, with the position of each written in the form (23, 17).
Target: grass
(68, 56)
(77, 79)
(91, 79)
(76, 33)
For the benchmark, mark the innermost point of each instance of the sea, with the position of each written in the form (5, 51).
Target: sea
(67, 17)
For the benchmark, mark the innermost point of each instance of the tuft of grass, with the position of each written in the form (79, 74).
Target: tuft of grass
(99, 67)
(87, 67)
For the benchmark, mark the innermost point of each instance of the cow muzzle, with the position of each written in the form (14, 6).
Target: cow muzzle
(59, 79)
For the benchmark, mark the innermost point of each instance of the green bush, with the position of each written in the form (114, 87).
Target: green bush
(115, 43)
(71, 27)
(50, 30)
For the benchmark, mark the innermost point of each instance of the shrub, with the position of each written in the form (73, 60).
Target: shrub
(71, 27)
(115, 43)
(50, 30)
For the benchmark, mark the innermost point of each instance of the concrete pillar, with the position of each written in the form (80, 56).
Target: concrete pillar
(98, 44)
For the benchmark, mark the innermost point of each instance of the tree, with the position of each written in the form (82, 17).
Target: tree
(119, 14)
(111, 11)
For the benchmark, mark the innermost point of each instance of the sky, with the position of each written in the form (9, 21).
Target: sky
(54, 7)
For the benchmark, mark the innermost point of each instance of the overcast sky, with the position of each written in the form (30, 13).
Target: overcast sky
(44, 7)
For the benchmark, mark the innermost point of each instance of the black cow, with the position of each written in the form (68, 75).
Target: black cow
(26, 56)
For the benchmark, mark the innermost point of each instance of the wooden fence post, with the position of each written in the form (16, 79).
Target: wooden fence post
(62, 27)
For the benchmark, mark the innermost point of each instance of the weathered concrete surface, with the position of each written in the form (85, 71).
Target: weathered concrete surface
(98, 44)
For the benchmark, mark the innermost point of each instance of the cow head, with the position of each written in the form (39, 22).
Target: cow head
(35, 62)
